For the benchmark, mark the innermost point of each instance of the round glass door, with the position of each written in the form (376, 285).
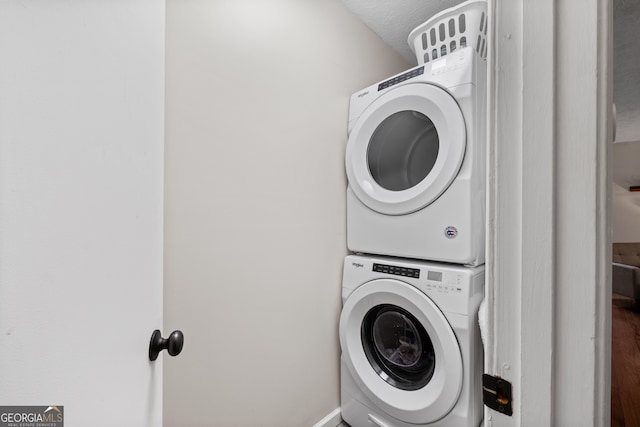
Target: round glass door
(401, 351)
(403, 150)
(398, 347)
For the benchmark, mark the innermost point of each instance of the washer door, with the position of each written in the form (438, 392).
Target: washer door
(406, 149)
(401, 351)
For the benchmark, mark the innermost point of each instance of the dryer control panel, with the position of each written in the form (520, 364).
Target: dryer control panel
(402, 77)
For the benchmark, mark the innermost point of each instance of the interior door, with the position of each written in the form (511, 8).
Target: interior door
(81, 194)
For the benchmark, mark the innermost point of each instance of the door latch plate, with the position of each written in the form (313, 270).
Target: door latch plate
(496, 394)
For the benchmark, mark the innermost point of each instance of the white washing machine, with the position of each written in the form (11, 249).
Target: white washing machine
(415, 162)
(411, 347)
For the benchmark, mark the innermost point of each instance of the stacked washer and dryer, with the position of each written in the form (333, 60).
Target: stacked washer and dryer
(411, 348)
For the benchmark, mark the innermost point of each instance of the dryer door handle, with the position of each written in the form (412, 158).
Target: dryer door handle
(377, 422)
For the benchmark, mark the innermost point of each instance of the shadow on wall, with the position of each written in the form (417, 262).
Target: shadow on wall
(626, 204)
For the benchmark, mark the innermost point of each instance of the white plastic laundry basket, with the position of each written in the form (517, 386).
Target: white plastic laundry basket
(454, 28)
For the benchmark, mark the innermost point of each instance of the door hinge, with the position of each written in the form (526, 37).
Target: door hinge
(496, 394)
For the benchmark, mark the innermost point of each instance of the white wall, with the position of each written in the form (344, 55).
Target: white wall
(256, 111)
(626, 205)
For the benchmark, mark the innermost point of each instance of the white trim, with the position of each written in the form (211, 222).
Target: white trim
(548, 254)
(502, 347)
(606, 132)
(538, 200)
(583, 243)
(333, 419)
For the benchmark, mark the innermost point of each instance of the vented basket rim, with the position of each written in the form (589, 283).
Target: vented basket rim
(455, 10)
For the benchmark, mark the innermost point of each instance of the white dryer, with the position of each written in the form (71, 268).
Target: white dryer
(411, 347)
(415, 161)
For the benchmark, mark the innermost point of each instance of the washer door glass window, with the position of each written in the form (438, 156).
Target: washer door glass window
(401, 351)
(398, 347)
(403, 150)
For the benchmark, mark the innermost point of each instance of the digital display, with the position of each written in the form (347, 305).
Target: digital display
(436, 276)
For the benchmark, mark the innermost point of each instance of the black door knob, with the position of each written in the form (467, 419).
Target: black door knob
(173, 344)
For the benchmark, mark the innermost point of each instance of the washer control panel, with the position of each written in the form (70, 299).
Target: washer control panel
(453, 288)
(439, 281)
(395, 270)
(444, 281)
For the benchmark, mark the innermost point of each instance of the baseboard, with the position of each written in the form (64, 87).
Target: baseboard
(332, 420)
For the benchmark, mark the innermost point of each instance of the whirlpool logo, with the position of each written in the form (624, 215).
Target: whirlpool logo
(32, 416)
(357, 265)
(451, 232)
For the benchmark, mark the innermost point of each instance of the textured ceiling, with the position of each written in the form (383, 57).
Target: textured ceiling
(393, 20)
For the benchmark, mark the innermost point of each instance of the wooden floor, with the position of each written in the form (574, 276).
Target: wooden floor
(625, 364)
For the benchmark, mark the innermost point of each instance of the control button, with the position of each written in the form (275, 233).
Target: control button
(398, 271)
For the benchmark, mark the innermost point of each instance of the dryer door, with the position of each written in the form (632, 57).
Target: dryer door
(401, 350)
(406, 149)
